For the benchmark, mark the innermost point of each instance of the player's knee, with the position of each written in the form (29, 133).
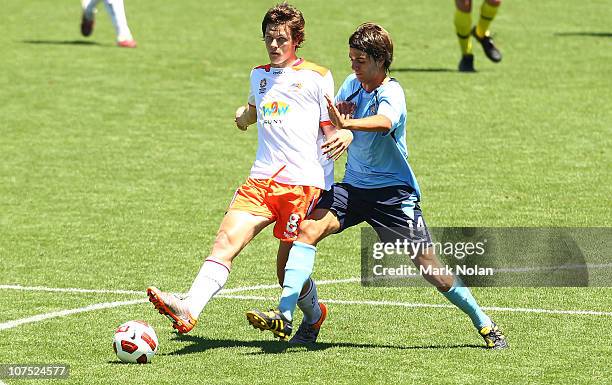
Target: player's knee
(222, 240)
(310, 231)
(223, 248)
(443, 285)
(422, 258)
(464, 5)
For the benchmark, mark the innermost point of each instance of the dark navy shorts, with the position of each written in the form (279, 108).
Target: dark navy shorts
(393, 212)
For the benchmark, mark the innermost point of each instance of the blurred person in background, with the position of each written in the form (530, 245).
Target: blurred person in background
(465, 31)
(117, 13)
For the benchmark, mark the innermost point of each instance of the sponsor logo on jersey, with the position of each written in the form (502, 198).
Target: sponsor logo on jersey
(274, 109)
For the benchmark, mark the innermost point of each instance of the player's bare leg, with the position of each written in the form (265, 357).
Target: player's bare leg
(428, 258)
(319, 224)
(116, 10)
(281, 260)
(237, 229)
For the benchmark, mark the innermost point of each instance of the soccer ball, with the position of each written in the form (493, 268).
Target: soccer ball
(135, 342)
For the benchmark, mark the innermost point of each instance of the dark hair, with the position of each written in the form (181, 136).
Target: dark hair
(287, 15)
(375, 41)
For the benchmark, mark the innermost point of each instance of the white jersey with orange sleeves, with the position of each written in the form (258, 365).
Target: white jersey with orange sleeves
(291, 109)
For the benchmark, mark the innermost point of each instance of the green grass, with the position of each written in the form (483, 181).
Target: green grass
(116, 167)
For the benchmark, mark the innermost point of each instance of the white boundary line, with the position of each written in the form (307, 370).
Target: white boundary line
(224, 294)
(134, 292)
(433, 305)
(69, 290)
(62, 313)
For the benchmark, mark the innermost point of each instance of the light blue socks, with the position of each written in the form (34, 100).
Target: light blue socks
(297, 270)
(461, 297)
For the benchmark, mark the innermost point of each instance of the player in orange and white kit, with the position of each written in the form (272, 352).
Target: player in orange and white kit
(116, 12)
(287, 100)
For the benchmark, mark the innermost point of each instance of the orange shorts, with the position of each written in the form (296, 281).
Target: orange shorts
(284, 203)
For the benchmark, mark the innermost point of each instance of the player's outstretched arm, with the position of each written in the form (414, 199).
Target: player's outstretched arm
(376, 123)
(337, 141)
(245, 116)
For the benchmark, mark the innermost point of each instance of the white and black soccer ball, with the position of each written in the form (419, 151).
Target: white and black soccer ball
(135, 342)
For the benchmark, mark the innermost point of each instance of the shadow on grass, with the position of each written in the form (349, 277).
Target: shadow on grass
(411, 69)
(117, 362)
(589, 34)
(62, 42)
(200, 344)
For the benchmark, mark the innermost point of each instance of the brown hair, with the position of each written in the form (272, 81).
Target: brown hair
(375, 41)
(288, 15)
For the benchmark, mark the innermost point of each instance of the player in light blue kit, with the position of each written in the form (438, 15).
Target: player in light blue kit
(379, 188)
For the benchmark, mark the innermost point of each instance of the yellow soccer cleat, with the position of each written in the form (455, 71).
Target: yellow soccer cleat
(272, 320)
(493, 337)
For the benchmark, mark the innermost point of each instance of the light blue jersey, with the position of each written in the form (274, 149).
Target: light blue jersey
(377, 159)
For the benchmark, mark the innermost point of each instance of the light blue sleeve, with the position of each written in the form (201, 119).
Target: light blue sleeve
(392, 104)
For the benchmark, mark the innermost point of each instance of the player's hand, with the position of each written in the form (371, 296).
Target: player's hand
(335, 146)
(240, 118)
(335, 116)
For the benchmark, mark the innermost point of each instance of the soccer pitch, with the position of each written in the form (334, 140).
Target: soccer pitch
(117, 165)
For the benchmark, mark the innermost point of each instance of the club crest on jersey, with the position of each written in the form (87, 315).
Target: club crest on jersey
(296, 86)
(262, 86)
(275, 109)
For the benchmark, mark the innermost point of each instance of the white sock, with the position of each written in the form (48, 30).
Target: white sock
(309, 304)
(211, 278)
(89, 7)
(117, 13)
